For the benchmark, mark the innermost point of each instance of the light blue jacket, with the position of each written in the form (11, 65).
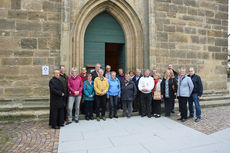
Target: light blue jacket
(185, 86)
(114, 87)
(88, 90)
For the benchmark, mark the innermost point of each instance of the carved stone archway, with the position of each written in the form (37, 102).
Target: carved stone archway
(128, 20)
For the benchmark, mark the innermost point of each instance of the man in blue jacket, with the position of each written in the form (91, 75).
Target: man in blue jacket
(196, 94)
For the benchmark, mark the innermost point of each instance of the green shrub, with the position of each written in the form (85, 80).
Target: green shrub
(228, 72)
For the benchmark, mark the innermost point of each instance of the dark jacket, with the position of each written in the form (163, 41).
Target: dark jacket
(64, 80)
(128, 92)
(56, 90)
(175, 74)
(94, 75)
(172, 82)
(121, 78)
(136, 81)
(198, 87)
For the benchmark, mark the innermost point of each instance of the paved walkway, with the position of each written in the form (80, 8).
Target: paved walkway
(139, 135)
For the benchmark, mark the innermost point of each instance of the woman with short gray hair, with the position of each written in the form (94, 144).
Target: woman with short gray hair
(128, 92)
(184, 90)
(75, 86)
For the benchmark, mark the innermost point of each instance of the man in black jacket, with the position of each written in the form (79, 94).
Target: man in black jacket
(64, 80)
(57, 101)
(137, 101)
(95, 73)
(196, 94)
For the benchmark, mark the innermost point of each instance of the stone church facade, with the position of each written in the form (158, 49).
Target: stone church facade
(156, 33)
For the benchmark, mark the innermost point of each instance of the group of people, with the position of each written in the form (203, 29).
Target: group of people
(132, 92)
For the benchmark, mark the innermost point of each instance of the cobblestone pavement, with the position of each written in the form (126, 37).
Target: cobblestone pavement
(37, 137)
(28, 137)
(213, 120)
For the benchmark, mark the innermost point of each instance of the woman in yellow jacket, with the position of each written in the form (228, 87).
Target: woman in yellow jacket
(101, 87)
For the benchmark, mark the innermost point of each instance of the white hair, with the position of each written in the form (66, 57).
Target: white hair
(192, 68)
(101, 70)
(139, 70)
(74, 69)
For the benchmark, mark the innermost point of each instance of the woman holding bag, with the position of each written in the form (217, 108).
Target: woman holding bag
(168, 90)
(156, 102)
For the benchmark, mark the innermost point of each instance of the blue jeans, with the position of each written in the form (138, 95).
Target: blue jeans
(113, 104)
(194, 98)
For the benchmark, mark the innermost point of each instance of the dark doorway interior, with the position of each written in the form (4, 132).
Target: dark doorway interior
(114, 55)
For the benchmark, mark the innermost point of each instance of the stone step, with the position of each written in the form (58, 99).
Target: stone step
(41, 114)
(214, 98)
(39, 105)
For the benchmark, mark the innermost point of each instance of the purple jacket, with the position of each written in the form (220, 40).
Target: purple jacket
(75, 84)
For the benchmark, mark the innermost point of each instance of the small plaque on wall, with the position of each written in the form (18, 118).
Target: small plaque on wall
(45, 70)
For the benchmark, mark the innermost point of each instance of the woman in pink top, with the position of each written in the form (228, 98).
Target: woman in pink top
(75, 86)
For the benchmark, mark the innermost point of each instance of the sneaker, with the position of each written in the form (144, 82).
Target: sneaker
(172, 111)
(116, 116)
(183, 120)
(104, 118)
(98, 118)
(190, 116)
(179, 119)
(68, 123)
(110, 116)
(87, 118)
(197, 120)
(76, 121)
(157, 116)
(91, 118)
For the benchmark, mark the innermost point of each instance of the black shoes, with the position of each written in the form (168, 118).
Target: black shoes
(172, 111)
(190, 117)
(76, 121)
(197, 120)
(68, 123)
(179, 119)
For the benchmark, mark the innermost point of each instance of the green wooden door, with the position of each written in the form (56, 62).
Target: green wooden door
(102, 29)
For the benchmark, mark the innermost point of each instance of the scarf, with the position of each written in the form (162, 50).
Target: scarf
(155, 82)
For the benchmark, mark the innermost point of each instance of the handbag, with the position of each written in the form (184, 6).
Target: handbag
(157, 95)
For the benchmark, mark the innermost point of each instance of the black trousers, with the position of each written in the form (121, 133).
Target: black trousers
(100, 104)
(57, 116)
(88, 108)
(146, 101)
(82, 104)
(168, 106)
(173, 105)
(156, 107)
(137, 103)
(65, 108)
(183, 107)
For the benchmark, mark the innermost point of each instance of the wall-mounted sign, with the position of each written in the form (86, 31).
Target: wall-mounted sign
(45, 70)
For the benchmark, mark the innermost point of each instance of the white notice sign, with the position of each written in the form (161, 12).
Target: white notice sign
(45, 70)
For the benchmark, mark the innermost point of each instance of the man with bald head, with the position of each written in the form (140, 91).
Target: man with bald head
(57, 101)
